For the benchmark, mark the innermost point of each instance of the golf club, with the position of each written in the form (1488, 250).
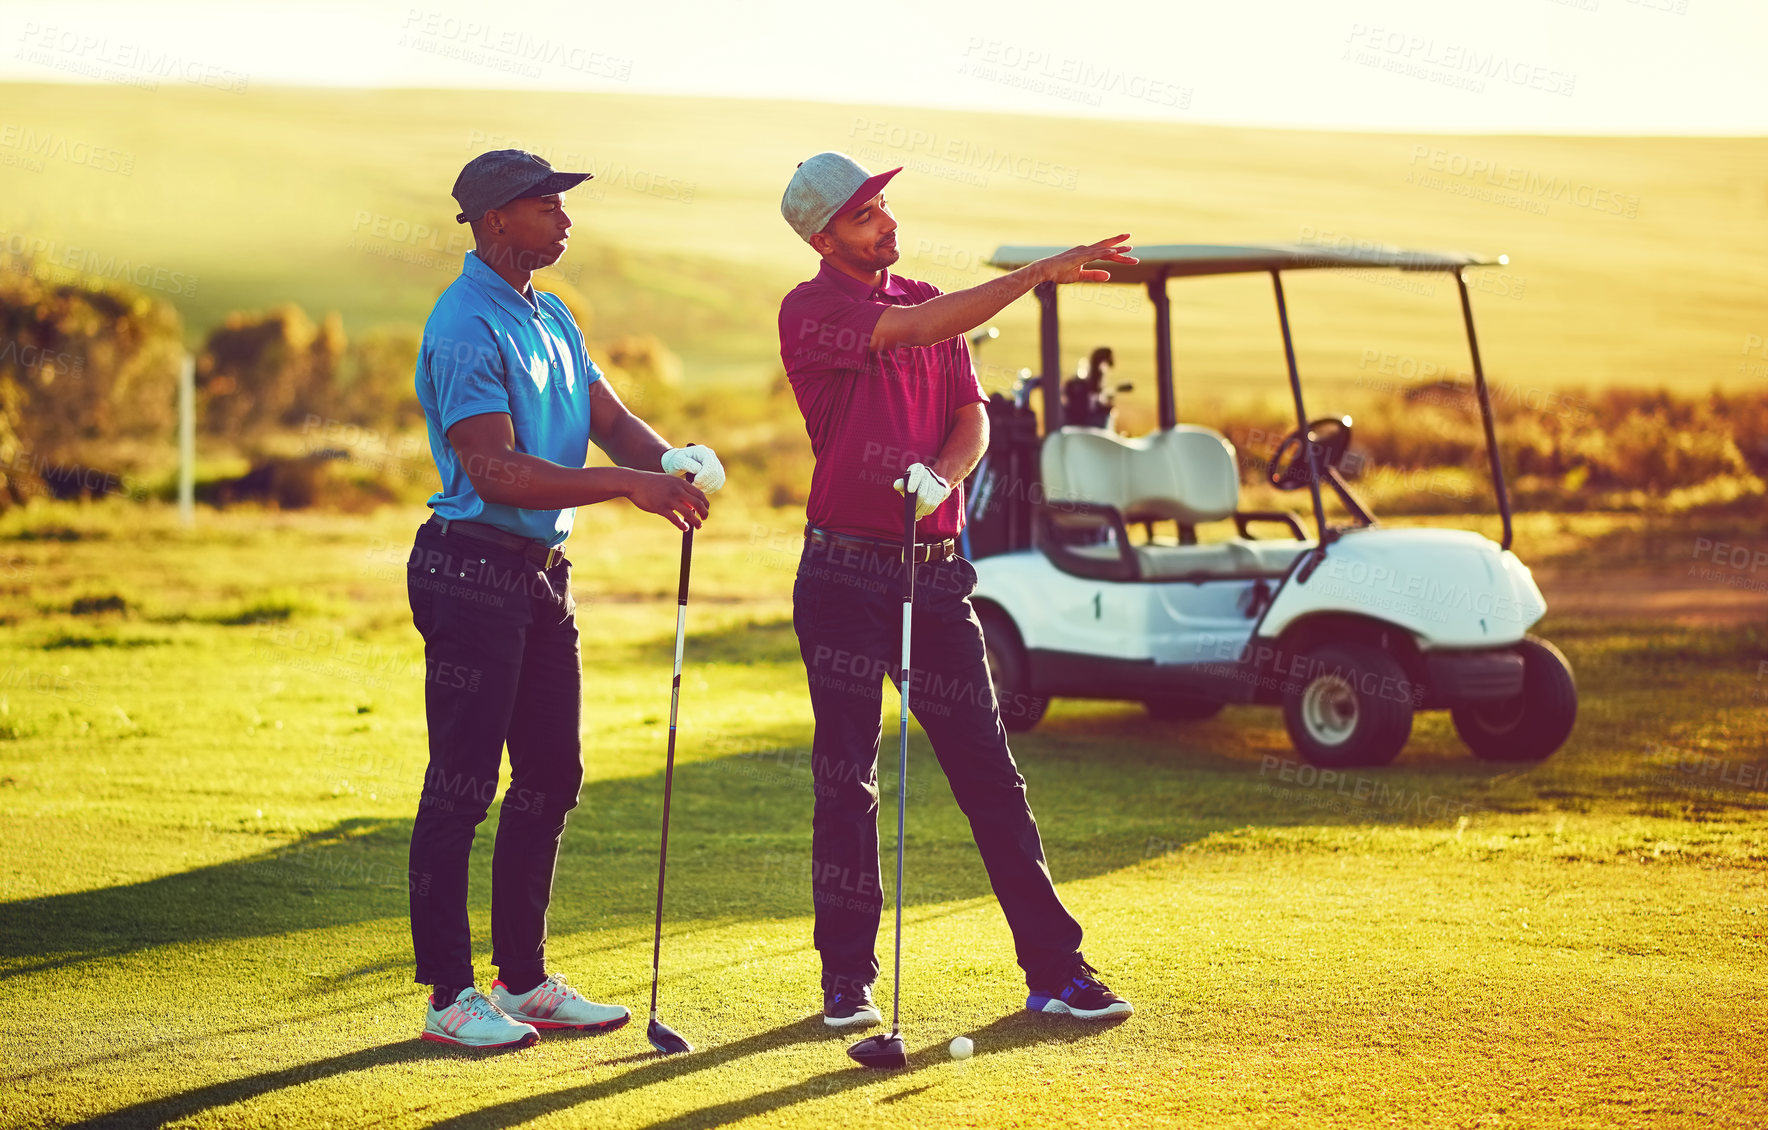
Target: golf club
(664, 1038)
(885, 1052)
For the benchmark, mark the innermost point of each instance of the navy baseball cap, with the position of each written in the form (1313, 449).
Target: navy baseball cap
(493, 179)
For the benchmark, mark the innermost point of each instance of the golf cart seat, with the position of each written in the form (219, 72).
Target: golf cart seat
(1096, 479)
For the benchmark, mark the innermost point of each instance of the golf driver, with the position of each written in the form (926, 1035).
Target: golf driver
(664, 1038)
(885, 1052)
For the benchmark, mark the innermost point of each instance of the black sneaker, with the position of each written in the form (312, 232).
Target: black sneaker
(1082, 995)
(850, 1008)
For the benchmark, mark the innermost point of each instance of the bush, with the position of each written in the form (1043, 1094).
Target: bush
(1621, 447)
(260, 371)
(82, 362)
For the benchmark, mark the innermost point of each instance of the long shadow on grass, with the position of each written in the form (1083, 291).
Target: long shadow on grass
(1013, 1031)
(1110, 789)
(159, 1112)
(1010, 1032)
(658, 1069)
(352, 872)
(1107, 797)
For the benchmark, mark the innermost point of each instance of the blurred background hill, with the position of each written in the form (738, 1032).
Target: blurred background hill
(296, 239)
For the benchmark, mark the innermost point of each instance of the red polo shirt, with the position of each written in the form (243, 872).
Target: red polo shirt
(871, 413)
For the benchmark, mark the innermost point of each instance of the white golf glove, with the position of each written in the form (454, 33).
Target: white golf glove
(698, 461)
(930, 490)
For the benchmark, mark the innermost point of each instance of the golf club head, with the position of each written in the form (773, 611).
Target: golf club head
(665, 1039)
(885, 1053)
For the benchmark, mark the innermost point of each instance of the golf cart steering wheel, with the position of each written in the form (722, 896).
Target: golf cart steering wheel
(1330, 438)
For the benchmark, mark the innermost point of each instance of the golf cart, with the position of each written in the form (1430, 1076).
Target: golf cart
(1351, 629)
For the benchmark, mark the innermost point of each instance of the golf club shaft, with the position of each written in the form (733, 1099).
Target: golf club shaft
(902, 745)
(681, 623)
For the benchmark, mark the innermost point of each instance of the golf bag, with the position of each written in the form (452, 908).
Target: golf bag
(1000, 493)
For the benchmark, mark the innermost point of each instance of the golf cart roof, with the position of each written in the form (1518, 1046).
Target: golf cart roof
(1178, 260)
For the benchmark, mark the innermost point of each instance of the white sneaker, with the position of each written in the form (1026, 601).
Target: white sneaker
(554, 1004)
(475, 1021)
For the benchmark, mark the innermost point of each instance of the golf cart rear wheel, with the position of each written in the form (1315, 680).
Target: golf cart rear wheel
(1183, 708)
(1531, 726)
(1352, 705)
(1010, 672)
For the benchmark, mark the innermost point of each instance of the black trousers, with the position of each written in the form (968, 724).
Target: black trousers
(501, 667)
(847, 611)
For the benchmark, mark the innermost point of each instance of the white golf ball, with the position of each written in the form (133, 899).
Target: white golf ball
(962, 1048)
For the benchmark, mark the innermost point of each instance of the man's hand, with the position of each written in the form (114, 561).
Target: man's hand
(1069, 266)
(930, 490)
(697, 461)
(947, 316)
(683, 503)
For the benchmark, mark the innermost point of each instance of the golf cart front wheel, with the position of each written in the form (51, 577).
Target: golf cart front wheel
(1010, 671)
(1533, 724)
(1351, 705)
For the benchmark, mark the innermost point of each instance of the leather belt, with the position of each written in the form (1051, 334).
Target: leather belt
(535, 552)
(924, 551)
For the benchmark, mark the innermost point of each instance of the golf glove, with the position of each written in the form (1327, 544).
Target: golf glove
(698, 461)
(930, 490)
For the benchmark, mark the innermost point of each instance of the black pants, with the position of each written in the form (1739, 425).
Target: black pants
(847, 611)
(501, 667)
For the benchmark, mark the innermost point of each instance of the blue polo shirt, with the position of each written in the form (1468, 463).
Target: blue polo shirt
(487, 348)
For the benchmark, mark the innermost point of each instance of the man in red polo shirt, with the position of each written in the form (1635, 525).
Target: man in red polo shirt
(882, 373)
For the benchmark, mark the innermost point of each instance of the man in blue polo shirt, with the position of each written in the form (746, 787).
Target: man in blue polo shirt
(512, 401)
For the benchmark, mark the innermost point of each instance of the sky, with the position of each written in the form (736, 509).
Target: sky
(1440, 66)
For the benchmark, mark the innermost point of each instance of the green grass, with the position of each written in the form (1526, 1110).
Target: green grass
(210, 743)
(318, 196)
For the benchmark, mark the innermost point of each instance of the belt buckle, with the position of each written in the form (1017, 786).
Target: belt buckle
(553, 556)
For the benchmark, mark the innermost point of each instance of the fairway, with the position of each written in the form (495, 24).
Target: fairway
(211, 742)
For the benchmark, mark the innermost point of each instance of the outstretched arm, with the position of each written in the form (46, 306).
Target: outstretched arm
(961, 311)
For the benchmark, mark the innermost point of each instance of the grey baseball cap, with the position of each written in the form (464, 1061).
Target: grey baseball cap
(824, 187)
(493, 179)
